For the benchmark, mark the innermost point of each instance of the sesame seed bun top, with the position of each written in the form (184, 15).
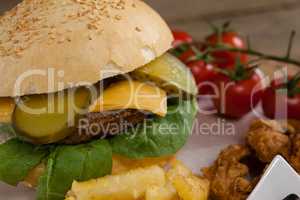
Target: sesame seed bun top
(50, 45)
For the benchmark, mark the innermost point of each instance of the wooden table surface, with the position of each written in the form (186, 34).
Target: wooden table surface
(267, 22)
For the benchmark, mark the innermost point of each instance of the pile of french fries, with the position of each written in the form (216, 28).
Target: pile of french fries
(159, 179)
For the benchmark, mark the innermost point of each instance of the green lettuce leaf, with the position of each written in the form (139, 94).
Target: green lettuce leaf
(69, 163)
(17, 158)
(158, 137)
(66, 163)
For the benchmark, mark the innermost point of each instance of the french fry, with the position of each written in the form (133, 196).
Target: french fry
(122, 164)
(131, 185)
(148, 183)
(294, 124)
(167, 192)
(187, 185)
(177, 168)
(191, 188)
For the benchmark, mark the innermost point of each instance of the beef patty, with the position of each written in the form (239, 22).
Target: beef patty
(104, 124)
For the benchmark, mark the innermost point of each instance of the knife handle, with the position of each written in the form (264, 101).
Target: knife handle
(292, 197)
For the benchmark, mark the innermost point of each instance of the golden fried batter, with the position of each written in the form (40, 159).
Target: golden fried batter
(295, 155)
(267, 124)
(270, 138)
(227, 175)
(295, 126)
(267, 139)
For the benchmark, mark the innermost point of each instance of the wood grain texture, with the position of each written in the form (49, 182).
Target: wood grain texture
(267, 22)
(267, 31)
(187, 10)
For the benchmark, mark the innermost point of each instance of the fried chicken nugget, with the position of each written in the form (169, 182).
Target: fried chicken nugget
(227, 175)
(294, 126)
(295, 156)
(294, 132)
(267, 139)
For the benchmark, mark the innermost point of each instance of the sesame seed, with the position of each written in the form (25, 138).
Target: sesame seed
(91, 26)
(52, 37)
(29, 28)
(138, 29)
(118, 17)
(18, 54)
(61, 40)
(91, 16)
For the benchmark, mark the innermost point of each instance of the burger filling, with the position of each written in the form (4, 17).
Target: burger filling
(73, 133)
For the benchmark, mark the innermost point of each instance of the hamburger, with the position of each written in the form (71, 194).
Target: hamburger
(81, 81)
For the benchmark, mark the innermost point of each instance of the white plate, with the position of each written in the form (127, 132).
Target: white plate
(279, 181)
(201, 150)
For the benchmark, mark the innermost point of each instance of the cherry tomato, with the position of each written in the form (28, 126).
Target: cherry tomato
(226, 58)
(237, 98)
(181, 37)
(278, 104)
(186, 56)
(204, 74)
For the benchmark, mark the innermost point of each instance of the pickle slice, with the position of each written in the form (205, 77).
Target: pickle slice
(168, 73)
(45, 119)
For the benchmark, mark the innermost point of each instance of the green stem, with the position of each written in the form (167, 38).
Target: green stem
(291, 40)
(284, 59)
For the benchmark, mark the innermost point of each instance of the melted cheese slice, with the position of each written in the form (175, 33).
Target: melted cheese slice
(7, 106)
(132, 95)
